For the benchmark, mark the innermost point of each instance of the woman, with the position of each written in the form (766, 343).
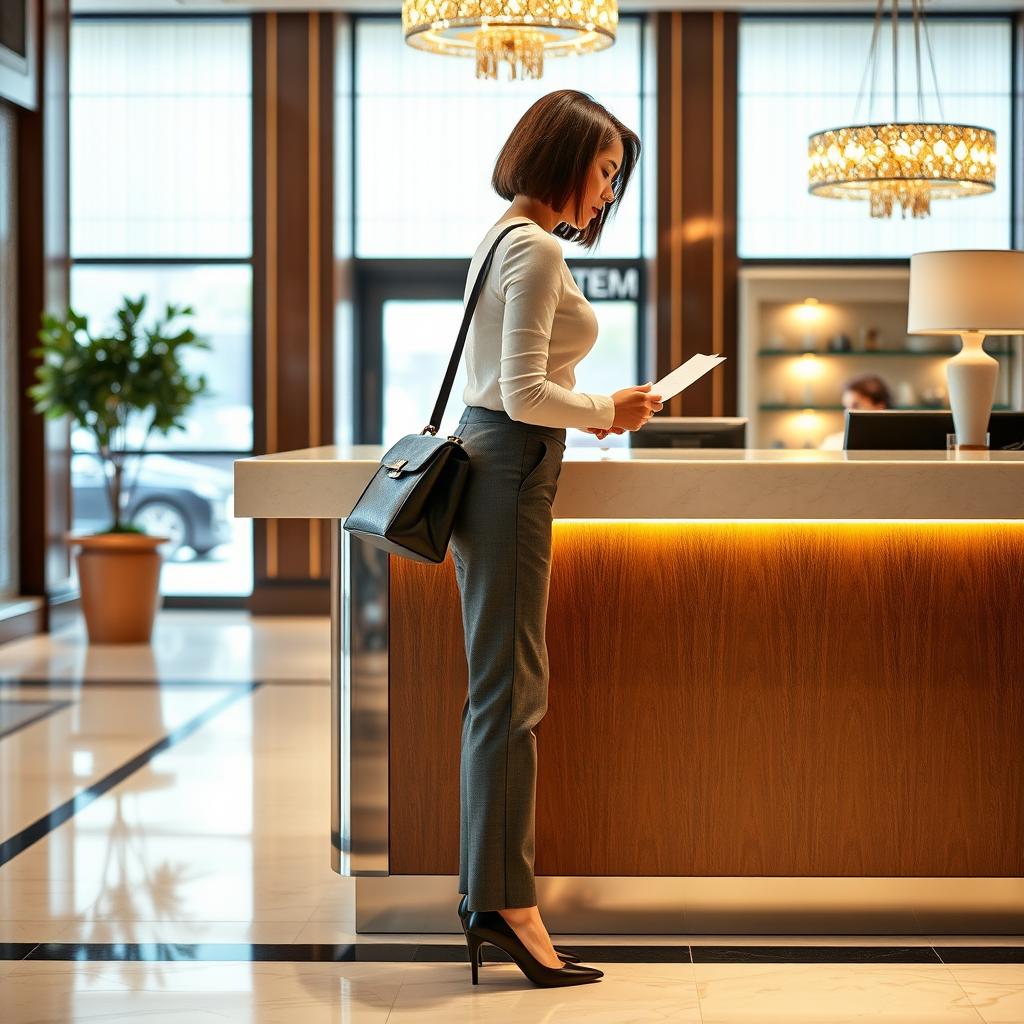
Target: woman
(565, 165)
(866, 391)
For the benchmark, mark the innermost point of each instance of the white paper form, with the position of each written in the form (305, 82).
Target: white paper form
(684, 375)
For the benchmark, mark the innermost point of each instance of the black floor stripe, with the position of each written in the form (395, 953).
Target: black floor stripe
(981, 954)
(20, 842)
(18, 682)
(410, 952)
(57, 705)
(16, 950)
(815, 954)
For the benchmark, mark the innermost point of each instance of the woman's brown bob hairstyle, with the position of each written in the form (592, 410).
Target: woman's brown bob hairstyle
(550, 152)
(872, 387)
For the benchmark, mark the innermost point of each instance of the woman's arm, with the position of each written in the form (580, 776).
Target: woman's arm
(530, 280)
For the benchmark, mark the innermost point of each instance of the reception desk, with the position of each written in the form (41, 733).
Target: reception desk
(786, 694)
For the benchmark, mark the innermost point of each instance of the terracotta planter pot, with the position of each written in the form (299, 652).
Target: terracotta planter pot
(119, 577)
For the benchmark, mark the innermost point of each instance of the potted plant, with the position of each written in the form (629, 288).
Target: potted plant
(106, 383)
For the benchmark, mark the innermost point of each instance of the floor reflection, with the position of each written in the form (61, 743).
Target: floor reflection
(189, 878)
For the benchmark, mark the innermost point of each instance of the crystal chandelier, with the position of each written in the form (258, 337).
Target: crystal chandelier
(904, 162)
(516, 32)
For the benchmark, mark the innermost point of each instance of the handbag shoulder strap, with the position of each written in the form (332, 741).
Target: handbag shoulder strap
(460, 343)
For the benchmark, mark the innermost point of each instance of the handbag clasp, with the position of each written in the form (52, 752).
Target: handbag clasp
(395, 468)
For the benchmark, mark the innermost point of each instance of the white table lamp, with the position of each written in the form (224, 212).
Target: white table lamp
(970, 292)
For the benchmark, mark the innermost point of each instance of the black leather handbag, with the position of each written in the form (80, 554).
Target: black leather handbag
(408, 507)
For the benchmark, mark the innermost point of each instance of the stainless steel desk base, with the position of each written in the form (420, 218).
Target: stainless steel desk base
(630, 905)
(716, 906)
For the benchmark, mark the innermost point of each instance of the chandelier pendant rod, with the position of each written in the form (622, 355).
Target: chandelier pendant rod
(931, 61)
(871, 66)
(916, 11)
(895, 60)
(870, 74)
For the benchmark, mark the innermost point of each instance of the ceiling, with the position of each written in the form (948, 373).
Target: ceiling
(806, 6)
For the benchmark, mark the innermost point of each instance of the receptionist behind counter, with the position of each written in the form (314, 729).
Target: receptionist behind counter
(867, 391)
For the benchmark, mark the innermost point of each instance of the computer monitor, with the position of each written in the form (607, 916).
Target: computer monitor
(691, 432)
(922, 430)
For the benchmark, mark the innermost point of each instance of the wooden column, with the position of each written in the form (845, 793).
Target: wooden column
(1015, 165)
(696, 221)
(44, 446)
(293, 86)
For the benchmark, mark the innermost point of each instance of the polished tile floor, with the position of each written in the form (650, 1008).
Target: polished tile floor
(164, 857)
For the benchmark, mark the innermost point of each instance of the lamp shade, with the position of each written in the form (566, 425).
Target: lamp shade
(966, 290)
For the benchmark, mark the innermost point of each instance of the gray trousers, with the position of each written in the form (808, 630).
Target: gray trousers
(501, 546)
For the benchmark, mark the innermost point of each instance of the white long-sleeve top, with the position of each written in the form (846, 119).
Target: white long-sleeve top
(532, 325)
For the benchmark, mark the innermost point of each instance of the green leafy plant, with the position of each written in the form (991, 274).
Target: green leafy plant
(104, 381)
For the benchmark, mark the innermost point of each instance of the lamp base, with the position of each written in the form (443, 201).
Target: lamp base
(971, 376)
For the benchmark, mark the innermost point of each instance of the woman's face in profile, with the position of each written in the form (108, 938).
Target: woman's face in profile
(598, 192)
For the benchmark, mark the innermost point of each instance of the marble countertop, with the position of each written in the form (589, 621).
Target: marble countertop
(674, 483)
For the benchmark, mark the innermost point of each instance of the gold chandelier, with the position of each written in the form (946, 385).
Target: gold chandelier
(901, 162)
(516, 32)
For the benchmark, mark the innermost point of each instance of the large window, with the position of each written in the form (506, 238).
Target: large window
(800, 75)
(426, 134)
(161, 206)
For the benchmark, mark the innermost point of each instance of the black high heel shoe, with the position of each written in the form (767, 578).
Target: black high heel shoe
(489, 926)
(565, 954)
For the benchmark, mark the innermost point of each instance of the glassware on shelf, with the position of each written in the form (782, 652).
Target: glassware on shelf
(808, 370)
(906, 396)
(920, 343)
(933, 397)
(868, 339)
(809, 315)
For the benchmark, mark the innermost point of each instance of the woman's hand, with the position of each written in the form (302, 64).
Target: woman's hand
(603, 432)
(635, 406)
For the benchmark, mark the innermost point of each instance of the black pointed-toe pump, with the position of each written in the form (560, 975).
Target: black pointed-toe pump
(565, 954)
(489, 926)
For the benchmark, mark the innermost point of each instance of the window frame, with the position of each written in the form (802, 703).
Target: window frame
(377, 281)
